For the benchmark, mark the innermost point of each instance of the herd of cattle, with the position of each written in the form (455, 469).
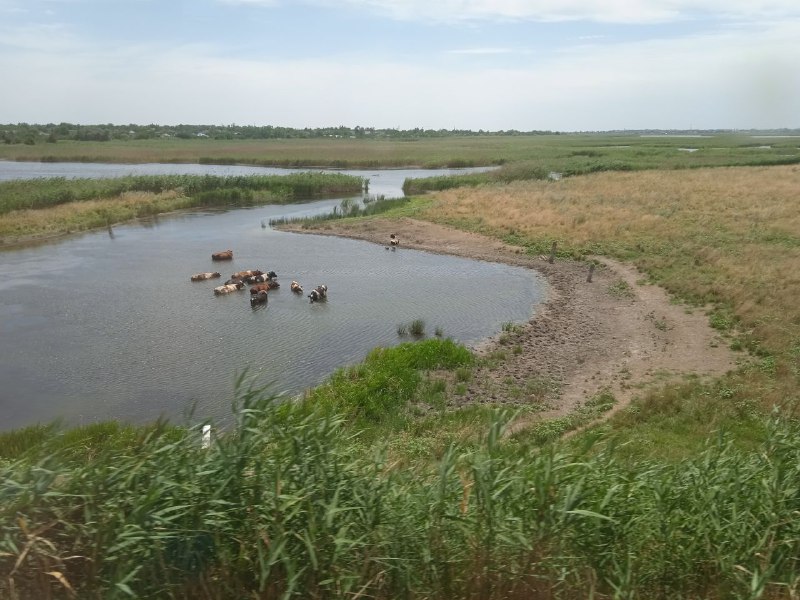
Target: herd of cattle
(259, 281)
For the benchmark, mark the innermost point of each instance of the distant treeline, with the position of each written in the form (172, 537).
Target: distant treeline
(31, 133)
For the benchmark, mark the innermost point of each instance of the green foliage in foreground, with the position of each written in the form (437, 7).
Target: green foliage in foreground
(206, 190)
(378, 389)
(285, 505)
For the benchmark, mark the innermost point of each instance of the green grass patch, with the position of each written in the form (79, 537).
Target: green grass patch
(672, 423)
(380, 388)
(550, 430)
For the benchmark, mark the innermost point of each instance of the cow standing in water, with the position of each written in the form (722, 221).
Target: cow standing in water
(204, 276)
(260, 297)
(296, 287)
(228, 288)
(224, 255)
(318, 293)
(245, 274)
(264, 287)
(261, 277)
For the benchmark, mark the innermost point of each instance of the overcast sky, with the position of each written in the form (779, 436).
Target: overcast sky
(561, 65)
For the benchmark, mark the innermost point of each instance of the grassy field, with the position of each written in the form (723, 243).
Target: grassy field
(523, 157)
(691, 492)
(566, 153)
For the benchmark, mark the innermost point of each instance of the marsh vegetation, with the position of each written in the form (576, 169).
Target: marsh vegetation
(40, 207)
(299, 501)
(374, 485)
(562, 153)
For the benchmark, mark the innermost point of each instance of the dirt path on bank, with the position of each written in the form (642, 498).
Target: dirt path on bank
(586, 338)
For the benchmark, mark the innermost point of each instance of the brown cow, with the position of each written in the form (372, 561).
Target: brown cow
(243, 274)
(265, 287)
(296, 287)
(223, 255)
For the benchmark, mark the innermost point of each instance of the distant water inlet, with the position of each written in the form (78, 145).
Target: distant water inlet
(109, 325)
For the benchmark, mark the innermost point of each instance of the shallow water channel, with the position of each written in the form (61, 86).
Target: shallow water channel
(108, 324)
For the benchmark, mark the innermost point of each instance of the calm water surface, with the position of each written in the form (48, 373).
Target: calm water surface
(108, 325)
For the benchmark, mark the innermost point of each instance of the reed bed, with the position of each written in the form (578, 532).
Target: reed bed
(347, 209)
(91, 214)
(43, 193)
(286, 505)
(42, 207)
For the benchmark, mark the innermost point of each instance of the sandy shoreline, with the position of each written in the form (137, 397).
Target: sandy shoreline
(585, 339)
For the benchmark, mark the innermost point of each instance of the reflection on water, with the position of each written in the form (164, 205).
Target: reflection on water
(108, 325)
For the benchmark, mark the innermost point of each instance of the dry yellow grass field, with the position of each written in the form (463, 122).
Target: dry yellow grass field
(728, 238)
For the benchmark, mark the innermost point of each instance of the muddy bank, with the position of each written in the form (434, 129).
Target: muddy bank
(613, 334)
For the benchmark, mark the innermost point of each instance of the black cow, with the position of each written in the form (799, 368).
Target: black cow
(319, 293)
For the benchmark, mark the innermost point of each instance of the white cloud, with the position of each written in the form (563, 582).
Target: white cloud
(614, 11)
(252, 2)
(745, 77)
(481, 51)
(607, 11)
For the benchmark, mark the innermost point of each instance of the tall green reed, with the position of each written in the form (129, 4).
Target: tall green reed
(287, 503)
(210, 189)
(373, 207)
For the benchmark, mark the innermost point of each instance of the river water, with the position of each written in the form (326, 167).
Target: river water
(108, 325)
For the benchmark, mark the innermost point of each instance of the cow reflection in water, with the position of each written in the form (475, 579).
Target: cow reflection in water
(319, 293)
